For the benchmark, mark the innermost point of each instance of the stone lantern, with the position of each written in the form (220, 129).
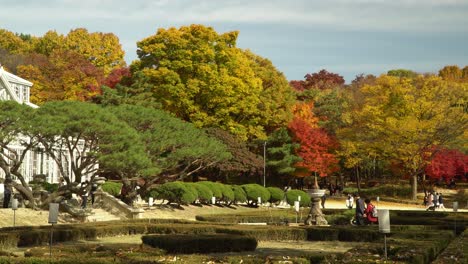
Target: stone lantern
(315, 216)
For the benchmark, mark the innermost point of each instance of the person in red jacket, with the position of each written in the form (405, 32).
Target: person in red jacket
(369, 212)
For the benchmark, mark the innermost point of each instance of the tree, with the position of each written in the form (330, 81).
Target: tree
(315, 148)
(64, 75)
(176, 148)
(103, 50)
(402, 73)
(451, 73)
(447, 164)
(15, 120)
(281, 156)
(403, 118)
(12, 43)
(202, 77)
(243, 161)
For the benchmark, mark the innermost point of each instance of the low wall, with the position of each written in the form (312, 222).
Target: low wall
(117, 207)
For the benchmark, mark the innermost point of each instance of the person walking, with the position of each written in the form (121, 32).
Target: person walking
(441, 202)
(360, 210)
(350, 201)
(84, 195)
(323, 199)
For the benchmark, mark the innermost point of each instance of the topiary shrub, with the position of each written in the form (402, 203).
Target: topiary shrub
(228, 193)
(239, 194)
(113, 188)
(191, 195)
(176, 192)
(204, 193)
(214, 187)
(201, 243)
(276, 194)
(292, 196)
(253, 191)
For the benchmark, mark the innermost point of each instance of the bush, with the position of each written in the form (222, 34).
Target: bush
(204, 193)
(214, 187)
(113, 188)
(276, 194)
(239, 194)
(176, 192)
(228, 193)
(188, 244)
(253, 191)
(50, 187)
(403, 190)
(292, 196)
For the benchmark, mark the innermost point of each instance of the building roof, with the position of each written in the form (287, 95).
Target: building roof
(13, 78)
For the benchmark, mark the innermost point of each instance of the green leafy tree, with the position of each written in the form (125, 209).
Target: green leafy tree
(402, 73)
(281, 156)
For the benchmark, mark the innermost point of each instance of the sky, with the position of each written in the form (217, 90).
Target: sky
(348, 37)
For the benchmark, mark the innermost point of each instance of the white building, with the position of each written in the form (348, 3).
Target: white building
(36, 162)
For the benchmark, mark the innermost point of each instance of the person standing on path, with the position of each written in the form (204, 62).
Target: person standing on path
(441, 202)
(360, 209)
(350, 201)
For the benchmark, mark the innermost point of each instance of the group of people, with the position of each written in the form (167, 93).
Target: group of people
(366, 212)
(433, 200)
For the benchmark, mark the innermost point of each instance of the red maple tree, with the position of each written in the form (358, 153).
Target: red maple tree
(315, 148)
(447, 164)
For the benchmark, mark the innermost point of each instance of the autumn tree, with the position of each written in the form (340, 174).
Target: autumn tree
(402, 118)
(447, 164)
(202, 77)
(451, 73)
(64, 75)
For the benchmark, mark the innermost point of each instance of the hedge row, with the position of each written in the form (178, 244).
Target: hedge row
(204, 243)
(456, 251)
(202, 192)
(402, 190)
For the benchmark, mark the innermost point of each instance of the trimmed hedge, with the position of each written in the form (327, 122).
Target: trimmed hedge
(228, 193)
(253, 191)
(176, 192)
(292, 195)
(276, 194)
(206, 243)
(214, 187)
(112, 188)
(239, 194)
(204, 193)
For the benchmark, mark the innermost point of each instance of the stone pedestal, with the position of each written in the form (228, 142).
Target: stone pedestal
(315, 217)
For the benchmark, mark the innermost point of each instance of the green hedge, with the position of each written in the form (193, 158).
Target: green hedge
(214, 187)
(204, 193)
(176, 192)
(239, 194)
(228, 193)
(112, 188)
(276, 194)
(206, 243)
(50, 187)
(292, 196)
(253, 191)
(402, 190)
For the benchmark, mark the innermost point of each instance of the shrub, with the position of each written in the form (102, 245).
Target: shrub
(176, 192)
(188, 244)
(50, 187)
(228, 193)
(239, 194)
(292, 196)
(276, 194)
(253, 191)
(204, 193)
(214, 187)
(113, 188)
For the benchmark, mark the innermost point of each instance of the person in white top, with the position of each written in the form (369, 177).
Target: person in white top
(350, 201)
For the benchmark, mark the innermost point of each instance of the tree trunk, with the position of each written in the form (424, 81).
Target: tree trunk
(358, 179)
(414, 186)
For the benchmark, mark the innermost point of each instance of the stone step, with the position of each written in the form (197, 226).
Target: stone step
(101, 215)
